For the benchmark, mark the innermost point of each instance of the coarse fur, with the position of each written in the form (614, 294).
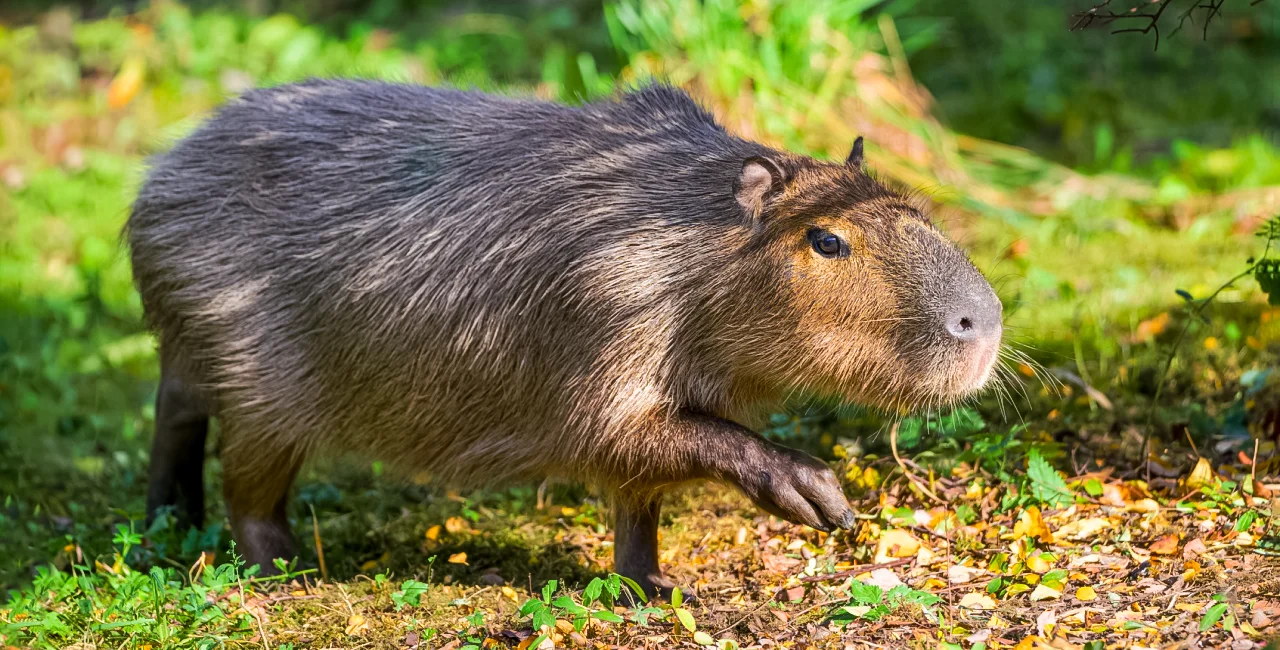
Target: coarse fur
(494, 289)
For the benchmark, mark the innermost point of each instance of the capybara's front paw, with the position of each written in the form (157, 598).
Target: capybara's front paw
(795, 486)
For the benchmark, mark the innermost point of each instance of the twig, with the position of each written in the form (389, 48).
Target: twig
(893, 445)
(858, 570)
(1253, 466)
(262, 630)
(1096, 14)
(315, 527)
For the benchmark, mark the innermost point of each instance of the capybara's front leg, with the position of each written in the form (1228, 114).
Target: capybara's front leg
(785, 482)
(682, 447)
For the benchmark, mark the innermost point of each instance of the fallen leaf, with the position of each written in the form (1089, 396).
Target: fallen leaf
(1167, 545)
(1200, 476)
(895, 543)
(1046, 622)
(1193, 549)
(885, 579)
(1040, 562)
(1043, 592)
(356, 625)
(455, 524)
(959, 574)
(458, 558)
(977, 600)
(1031, 524)
(1082, 529)
(509, 593)
(433, 533)
(1143, 505)
(1086, 594)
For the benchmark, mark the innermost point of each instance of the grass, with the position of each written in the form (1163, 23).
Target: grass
(986, 532)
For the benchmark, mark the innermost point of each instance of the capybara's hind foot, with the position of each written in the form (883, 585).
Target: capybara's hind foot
(657, 587)
(262, 540)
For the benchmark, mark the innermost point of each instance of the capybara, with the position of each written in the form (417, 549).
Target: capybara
(493, 289)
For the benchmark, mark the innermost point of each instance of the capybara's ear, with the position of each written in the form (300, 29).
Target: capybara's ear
(761, 179)
(854, 161)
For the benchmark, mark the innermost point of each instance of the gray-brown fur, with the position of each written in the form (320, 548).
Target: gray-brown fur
(494, 289)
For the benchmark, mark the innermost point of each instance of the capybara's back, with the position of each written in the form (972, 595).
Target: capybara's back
(488, 289)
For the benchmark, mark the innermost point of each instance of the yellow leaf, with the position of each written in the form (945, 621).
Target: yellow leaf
(127, 82)
(433, 533)
(1031, 524)
(568, 512)
(1143, 505)
(458, 558)
(895, 543)
(1028, 643)
(356, 625)
(509, 592)
(1082, 529)
(977, 600)
(1086, 594)
(702, 638)
(1039, 563)
(455, 524)
(1043, 592)
(1200, 476)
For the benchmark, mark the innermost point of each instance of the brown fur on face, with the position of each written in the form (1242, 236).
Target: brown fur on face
(862, 327)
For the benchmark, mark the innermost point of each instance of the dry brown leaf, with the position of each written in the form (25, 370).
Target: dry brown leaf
(1193, 549)
(1167, 545)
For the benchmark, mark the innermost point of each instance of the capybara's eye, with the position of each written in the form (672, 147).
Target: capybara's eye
(825, 243)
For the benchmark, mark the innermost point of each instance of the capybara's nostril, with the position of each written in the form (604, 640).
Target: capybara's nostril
(962, 328)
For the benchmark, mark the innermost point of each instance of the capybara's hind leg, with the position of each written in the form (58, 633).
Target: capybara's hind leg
(635, 547)
(256, 479)
(176, 473)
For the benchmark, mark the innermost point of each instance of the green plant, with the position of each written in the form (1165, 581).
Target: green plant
(596, 603)
(117, 605)
(410, 594)
(1047, 485)
(871, 603)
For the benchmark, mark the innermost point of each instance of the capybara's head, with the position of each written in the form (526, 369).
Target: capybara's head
(866, 299)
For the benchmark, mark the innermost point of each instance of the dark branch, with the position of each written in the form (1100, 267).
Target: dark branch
(1148, 13)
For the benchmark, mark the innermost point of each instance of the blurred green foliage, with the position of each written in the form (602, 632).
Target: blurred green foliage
(1012, 71)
